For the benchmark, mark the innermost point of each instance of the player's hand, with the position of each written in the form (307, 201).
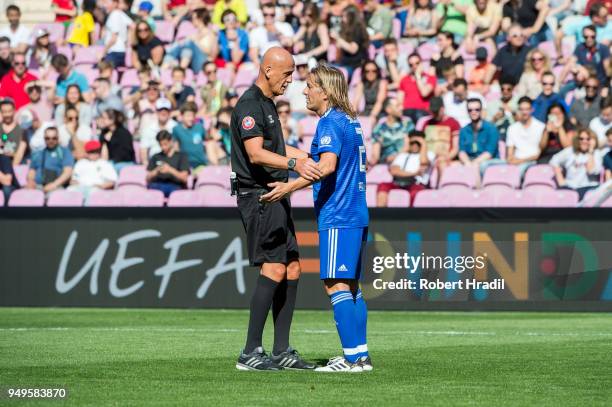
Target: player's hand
(308, 169)
(279, 191)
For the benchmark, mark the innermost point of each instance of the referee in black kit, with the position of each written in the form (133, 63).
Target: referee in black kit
(260, 157)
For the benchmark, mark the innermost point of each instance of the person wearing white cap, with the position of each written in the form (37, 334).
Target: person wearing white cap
(40, 54)
(149, 146)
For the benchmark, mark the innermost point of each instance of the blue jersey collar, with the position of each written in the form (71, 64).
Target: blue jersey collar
(327, 112)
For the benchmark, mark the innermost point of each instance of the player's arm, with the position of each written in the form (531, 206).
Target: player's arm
(258, 155)
(295, 152)
(327, 165)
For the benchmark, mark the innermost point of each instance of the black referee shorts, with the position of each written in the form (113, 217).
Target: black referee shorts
(269, 228)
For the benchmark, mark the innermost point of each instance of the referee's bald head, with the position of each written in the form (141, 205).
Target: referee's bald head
(275, 71)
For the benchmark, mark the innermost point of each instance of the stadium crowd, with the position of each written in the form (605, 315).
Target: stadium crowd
(446, 90)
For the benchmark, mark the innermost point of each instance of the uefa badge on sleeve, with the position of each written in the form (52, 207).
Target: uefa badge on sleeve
(248, 123)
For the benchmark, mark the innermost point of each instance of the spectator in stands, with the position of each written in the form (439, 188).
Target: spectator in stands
(65, 11)
(452, 17)
(524, 137)
(213, 92)
(531, 16)
(93, 173)
(392, 67)
(602, 123)
(483, 22)
(84, 25)
(148, 133)
(190, 137)
(167, 170)
(116, 33)
(68, 76)
(371, 90)
(332, 11)
(40, 54)
(592, 54)
(478, 141)
(40, 105)
(536, 65)
(8, 180)
(5, 56)
(51, 168)
(221, 138)
(501, 112)
(145, 109)
(578, 167)
(291, 129)
(558, 133)
(179, 93)
(294, 93)
(443, 130)
(13, 85)
(478, 75)
(271, 33)
(352, 41)
(390, 135)
(455, 101)
(380, 23)
(117, 142)
(312, 37)
(547, 98)
(144, 13)
(13, 137)
(422, 22)
(193, 51)
(415, 89)
(598, 17)
(147, 48)
(73, 134)
(586, 108)
(233, 42)
(74, 98)
(105, 99)
(509, 62)
(607, 160)
(107, 71)
(237, 7)
(449, 56)
(17, 33)
(410, 169)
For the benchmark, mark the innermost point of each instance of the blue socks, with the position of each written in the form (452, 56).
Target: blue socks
(351, 315)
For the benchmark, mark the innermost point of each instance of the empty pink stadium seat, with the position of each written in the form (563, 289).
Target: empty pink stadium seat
(186, 198)
(89, 55)
(459, 175)
(1, 200)
(185, 29)
(215, 195)
(309, 125)
(64, 197)
(64, 50)
(371, 195)
(427, 50)
(302, 198)
(463, 197)
(130, 79)
(306, 143)
(56, 30)
(502, 196)
(379, 173)
(596, 197)
(21, 173)
(431, 198)
(540, 174)
(226, 76)
(214, 175)
(27, 197)
(133, 175)
(110, 198)
(142, 198)
(502, 175)
(164, 30)
(398, 198)
(245, 77)
(547, 197)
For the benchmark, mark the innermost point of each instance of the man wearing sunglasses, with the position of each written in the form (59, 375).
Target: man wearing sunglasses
(51, 168)
(592, 54)
(13, 85)
(509, 62)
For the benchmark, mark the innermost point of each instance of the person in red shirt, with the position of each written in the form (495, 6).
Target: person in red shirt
(14, 83)
(65, 10)
(606, 3)
(415, 89)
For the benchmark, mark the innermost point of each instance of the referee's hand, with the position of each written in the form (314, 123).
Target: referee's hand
(308, 169)
(279, 191)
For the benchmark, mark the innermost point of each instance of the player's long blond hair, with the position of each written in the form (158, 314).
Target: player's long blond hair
(333, 83)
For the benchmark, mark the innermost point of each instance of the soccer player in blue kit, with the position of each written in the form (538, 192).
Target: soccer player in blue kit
(341, 209)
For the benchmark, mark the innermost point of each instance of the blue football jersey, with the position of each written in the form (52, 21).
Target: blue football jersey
(340, 198)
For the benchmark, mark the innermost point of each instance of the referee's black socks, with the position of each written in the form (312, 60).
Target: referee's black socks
(282, 311)
(260, 306)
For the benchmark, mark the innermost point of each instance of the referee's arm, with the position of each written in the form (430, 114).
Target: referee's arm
(258, 155)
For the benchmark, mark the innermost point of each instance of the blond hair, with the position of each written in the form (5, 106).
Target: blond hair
(335, 86)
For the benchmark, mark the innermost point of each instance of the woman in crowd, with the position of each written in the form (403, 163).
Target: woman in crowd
(371, 91)
(352, 41)
(312, 38)
(40, 54)
(536, 63)
(448, 57)
(148, 49)
(422, 22)
(291, 129)
(578, 167)
(73, 133)
(483, 19)
(233, 42)
(558, 134)
(117, 142)
(74, 98)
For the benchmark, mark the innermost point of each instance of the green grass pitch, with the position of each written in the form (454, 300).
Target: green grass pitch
(186, 357)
